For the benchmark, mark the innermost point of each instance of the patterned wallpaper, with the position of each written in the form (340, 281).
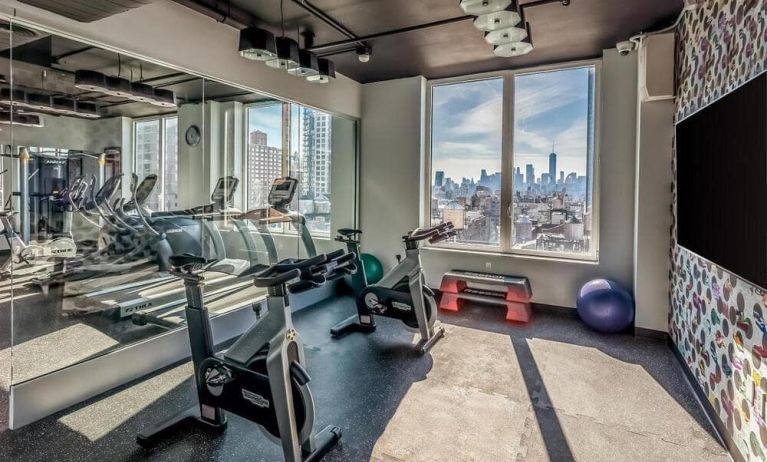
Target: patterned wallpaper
(717, 319)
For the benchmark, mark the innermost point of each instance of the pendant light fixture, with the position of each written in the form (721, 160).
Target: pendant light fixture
(505, 35)
(307, 65)
(38, 102)
(118, 86)
(11, 97)
(87, 110)
(24, 120)
(511, 50)
(504, 25)
(257, 44)
(164, 98)
(287, 54)
(498, 20)
(327, 71)
(90, 81)
(480, 7)
(284, 53)
(142, 93)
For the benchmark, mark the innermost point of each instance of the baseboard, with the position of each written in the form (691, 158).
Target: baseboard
(710, 412)
(556, 310)
(651, 333)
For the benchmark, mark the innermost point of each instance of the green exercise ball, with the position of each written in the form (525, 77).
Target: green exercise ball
(373, 268)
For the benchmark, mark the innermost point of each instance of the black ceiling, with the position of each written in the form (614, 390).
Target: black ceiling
(560, 33)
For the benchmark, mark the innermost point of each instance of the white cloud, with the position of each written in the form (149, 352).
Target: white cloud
(486, 119)
(542, 93)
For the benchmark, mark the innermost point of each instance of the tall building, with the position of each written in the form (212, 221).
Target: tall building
(258, 137)
(264, 165)
(529, 174)
(518, 179)
(316, 152)
(552, 167)
(439, 178)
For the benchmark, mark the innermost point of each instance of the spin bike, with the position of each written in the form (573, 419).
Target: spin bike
(402, 292)
(262, 376)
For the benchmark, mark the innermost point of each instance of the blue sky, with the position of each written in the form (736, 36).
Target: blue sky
(548, 108)
(268, 118)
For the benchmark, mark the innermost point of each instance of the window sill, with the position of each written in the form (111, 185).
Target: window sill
(516, 256)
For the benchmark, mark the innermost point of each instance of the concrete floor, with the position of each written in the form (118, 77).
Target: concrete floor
(489, 391)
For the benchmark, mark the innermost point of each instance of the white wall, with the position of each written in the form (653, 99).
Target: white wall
(655, 134)
(391, 149)
(176, 36)
(391, 154)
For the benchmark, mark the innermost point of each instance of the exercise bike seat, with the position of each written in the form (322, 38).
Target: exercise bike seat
(348, 232)
(187, 262)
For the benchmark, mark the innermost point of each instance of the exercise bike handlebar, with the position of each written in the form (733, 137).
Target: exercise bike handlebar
(287, 270)
(429, 233)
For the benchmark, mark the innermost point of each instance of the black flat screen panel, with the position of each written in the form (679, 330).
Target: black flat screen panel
(722, 182)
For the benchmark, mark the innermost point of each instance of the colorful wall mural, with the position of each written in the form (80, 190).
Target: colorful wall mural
(717, 319)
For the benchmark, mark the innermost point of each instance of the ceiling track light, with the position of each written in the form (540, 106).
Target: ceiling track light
(257, 44)
(363, 53)
(327, 71)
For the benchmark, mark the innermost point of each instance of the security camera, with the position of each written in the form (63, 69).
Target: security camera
(625, 47)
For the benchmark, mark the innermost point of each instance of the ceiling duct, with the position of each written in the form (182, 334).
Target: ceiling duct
(87, 10)
(21, 35)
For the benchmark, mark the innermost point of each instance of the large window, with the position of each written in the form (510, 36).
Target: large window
(466, 159)
(527, 188)
(156, 152)
(291, 140)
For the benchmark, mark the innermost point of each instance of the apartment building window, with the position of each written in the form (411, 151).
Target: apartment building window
(155, 151)
(512, 161)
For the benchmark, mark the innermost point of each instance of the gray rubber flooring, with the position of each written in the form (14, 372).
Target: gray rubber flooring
(489, 391)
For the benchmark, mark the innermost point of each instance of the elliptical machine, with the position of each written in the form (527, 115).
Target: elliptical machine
(262, 376)
(402, 292)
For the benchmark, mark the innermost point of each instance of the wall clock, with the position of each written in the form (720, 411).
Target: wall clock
(192, 135)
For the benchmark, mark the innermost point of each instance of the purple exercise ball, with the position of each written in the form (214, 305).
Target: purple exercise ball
(605, 305)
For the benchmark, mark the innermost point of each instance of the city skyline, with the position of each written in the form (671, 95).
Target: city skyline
(549, 109)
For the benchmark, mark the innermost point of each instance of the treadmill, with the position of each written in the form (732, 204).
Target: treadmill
(178, 229)
(169, 314)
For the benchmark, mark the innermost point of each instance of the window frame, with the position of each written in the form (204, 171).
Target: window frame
(161, 119)
(504, 246)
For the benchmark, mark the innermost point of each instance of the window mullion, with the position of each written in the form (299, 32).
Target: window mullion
(507, 162)
(161, 164)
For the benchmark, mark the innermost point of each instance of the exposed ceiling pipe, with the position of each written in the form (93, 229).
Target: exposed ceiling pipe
(326, 18)
(402, 30)
(233, 16)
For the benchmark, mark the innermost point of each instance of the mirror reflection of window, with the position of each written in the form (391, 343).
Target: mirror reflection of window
(156, 145)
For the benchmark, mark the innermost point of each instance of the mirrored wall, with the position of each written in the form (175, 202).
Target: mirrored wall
(112, 165)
